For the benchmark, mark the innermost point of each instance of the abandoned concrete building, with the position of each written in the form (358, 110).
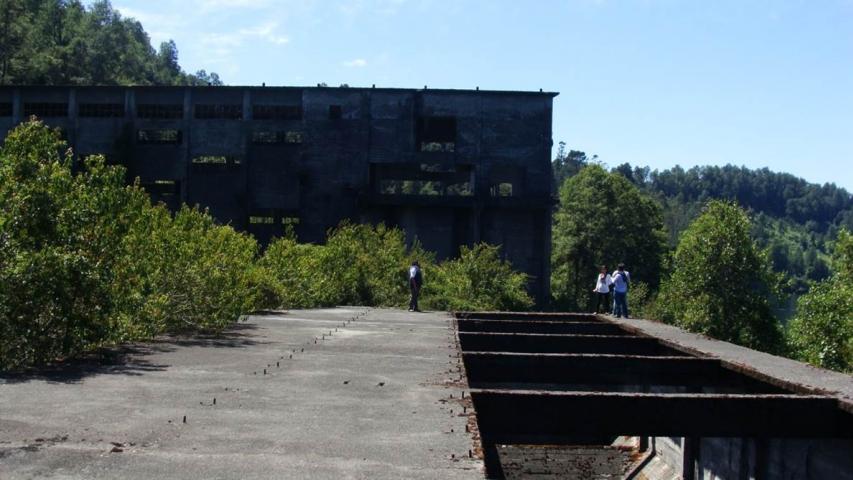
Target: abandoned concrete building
(450, 167)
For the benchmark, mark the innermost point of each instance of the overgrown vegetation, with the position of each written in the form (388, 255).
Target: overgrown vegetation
(368, 265)
(721, 282)
(732, 262)
(86, 260)
(63, 42)
(822, 330)
(602, 219)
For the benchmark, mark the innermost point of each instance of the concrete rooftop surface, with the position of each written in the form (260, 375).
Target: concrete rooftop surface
(371, 400)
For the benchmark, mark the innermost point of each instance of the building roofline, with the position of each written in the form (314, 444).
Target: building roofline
(289, 87)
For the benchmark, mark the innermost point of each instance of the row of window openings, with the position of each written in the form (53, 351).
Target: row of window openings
(172, 136)
(433, 134)
(438, 188)
(267, 220)
(175, 111)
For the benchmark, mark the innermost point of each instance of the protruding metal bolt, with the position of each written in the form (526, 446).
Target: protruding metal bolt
(277, 365)
(214, 400)
(467, 428)
(185, 419)
(470, 455)
(265, 371)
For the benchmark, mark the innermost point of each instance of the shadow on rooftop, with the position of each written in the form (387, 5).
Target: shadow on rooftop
(132, 358)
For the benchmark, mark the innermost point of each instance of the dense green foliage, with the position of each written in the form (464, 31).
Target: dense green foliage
(477, 280)
(368, 265)
(602, 219)
(821, 333)
(63, 42)
(722, 283)
(86, 260)
(795, 219)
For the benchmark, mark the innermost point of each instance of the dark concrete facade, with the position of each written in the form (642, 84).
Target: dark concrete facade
(451, 167)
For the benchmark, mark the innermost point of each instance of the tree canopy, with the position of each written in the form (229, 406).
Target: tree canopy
(721, 283)
(821, 333)
(63, 42)
(602, 219)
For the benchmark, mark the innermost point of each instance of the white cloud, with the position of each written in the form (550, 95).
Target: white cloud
(356, 63)
(225, 42)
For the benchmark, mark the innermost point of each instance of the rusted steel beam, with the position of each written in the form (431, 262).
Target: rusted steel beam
(533, 416)
(532, 316)
(560, 343)
(544, 326)
(604, 372)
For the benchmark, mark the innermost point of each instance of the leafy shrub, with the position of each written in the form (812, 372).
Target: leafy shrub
(721, 282)
(85, 259)
(477, 280)
(821, 333)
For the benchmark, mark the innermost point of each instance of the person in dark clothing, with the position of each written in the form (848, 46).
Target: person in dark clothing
(416, 280)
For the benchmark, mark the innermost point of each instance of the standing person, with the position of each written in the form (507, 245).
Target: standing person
(621, 281)
(416, 279)
(602, 289)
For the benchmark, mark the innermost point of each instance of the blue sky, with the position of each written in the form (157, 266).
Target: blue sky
(650, 82)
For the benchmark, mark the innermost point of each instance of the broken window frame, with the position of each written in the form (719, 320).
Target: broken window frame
(436, 134)
(100, 110)
(218, 111)
(165, 136)
(276, 112)
(45, 109)
(160, 111)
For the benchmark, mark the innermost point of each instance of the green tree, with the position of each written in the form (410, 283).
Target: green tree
(477, 280)
(722, 283)
(86, 260)
(821, 333)
(49, 42)
(603, 219)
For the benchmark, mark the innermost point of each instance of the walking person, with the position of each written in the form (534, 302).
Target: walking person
(603, 282)
(621, 281)
(416, 279)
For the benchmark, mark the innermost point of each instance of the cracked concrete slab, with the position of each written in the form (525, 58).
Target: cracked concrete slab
(367, 401)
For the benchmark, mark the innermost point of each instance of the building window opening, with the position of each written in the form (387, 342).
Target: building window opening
(276, 112)
(272, 138)
(100, 110)
(160, 111)
(336, 112)
(427, 188)
(261, 220)
(45, 109)
(5, 109)
(290, 220)
(164, 188)
(436, 134)
(159, 137)
(210, 112)
(216, 160)
(501, 190)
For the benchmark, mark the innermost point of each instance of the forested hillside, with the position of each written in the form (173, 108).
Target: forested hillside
(796, 220)
(64, 42)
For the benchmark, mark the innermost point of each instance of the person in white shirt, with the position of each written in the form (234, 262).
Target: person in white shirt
(602, 289)
(416, 280)
(621, 280)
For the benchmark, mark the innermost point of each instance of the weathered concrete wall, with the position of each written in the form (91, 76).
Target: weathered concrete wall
(749, 458)
(452, 167)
